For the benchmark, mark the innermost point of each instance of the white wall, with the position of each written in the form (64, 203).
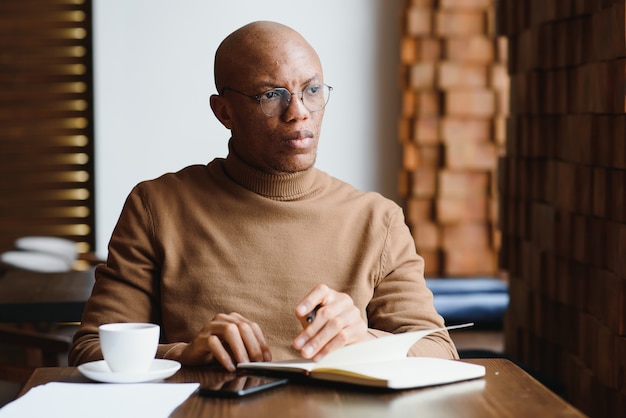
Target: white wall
(154, 74)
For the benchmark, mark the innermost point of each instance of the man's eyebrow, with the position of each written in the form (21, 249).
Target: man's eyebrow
(310, 80)
(268, 85)
(315, 78)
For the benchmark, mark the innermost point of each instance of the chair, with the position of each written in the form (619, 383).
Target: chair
(36, 348)
(482, 301)
(26, 346)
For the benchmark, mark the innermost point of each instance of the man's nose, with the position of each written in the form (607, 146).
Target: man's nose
(296, 108)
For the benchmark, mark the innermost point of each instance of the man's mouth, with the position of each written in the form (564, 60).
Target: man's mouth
(300, 139)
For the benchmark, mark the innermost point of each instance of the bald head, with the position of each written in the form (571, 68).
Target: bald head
(258, 46)
(259, 58)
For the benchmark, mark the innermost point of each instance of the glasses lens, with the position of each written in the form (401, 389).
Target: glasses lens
(315, 96)
(275, 102)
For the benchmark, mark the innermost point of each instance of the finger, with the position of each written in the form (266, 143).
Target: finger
(338, 325)
(251, 342)
(341, 339)
(317, 296)
(220, 353)
(332, 345)
(335, 305)
(311, 328)
(266, 353)
(253, 339)
(231, 334)
(221, 340)
(322, 313)
(333, 328)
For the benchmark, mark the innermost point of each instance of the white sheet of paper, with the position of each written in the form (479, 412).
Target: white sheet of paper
(70, 400)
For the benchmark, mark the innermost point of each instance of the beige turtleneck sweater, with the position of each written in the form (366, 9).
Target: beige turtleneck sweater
(228, 238)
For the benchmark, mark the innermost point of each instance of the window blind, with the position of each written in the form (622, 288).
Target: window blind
(46, 121)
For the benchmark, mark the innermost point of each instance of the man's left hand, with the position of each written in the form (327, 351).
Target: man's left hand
(337, 323)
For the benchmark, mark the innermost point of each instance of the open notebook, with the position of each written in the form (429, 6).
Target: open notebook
(382, 362)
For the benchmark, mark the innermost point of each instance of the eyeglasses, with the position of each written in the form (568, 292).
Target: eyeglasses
(275, 102)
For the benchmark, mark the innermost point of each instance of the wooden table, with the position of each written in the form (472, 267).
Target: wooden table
(27, 296)
(506, 391)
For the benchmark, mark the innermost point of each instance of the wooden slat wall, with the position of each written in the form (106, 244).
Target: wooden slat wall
(563, 186)
(452, 129)
(46, 121)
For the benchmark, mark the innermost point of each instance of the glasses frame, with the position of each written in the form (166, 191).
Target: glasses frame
(259, 97)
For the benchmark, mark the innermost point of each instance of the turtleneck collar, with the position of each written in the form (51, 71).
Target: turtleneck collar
(284, 187)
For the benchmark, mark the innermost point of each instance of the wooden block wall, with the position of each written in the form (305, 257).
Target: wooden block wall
(562, 186)
(452, 128)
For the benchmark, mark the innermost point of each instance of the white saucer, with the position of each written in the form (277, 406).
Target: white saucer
(99, 371)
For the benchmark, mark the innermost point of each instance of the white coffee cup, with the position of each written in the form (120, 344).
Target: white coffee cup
(129, 347)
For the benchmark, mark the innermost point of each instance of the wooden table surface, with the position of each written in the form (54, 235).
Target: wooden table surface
(506, 391)
(27, 296)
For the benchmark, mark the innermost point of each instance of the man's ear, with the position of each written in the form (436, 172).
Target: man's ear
(221, 110)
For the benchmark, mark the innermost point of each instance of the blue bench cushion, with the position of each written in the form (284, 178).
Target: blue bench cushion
(464, 286)
(481, 300)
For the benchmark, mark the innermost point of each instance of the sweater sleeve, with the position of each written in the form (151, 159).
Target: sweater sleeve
(401, 301)
(127, 286)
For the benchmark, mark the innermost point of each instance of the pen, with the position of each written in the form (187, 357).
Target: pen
(310, 317)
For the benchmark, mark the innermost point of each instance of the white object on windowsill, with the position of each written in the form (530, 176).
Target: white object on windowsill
(36, 261)
(60, 247)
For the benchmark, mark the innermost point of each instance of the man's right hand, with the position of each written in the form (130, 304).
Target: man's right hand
(229, 339)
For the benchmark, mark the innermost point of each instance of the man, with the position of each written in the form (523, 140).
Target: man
(232, 257)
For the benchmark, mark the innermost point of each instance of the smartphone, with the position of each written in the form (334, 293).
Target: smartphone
(241, 385)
